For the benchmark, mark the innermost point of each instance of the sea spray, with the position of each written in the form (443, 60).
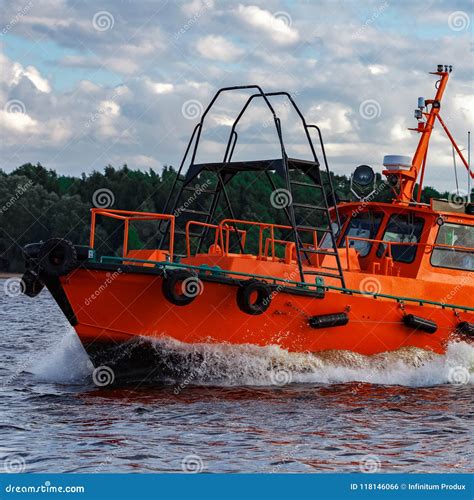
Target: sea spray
(65, 363)
(231, 365)
(250, 365)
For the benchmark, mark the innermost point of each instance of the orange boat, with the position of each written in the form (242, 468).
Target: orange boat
(361, 275)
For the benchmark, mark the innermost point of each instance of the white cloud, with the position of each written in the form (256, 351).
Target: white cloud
(464, 104)
(277, 27)
(399, 130)
(35, 77)
(160, 88)
(59, 131)
(218, 48)
(12, 74)
(378, 69)
(332, 118)
(17, 122)
(108, 113)
(88, 86)
(197, 7)
(110, 108)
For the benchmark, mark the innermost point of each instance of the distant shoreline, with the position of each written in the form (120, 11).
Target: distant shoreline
(4, 275)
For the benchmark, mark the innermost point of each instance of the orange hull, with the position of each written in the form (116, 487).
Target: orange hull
(132, 305)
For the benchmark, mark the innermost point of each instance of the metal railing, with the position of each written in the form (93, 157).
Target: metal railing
(266, 245)
(387, 252)
(128, 216)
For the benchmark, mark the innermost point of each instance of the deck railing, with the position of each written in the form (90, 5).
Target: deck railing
(388, 245)
(128, 216)
(222, 232)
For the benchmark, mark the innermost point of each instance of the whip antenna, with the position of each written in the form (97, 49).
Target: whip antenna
(469, 165)
(455, 171)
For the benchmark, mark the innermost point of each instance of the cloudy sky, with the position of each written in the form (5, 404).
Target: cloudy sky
(88, 83)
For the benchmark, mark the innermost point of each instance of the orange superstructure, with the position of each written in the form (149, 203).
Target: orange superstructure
(361, 275)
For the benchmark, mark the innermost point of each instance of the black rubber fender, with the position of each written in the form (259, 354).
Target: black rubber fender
(31, 284)
(329, 320)
(254, 297)
(466, 328)
(181, 287)
(419, 323)
(57, 257)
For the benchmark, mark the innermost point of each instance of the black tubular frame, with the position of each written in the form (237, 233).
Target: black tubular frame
(171, 203)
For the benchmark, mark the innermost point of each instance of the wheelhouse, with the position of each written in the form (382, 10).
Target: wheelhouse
(400, 240)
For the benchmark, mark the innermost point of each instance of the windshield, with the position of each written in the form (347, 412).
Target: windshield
(364, 225)
(402, 229)
(461, 239)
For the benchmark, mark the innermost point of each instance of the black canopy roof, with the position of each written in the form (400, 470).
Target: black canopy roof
(234, 167)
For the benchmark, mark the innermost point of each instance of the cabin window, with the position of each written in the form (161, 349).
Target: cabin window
(326, 240)
(402, 229)
(363, 225)
(459, 237)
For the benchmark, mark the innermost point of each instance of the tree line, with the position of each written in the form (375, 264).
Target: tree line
(37, 203)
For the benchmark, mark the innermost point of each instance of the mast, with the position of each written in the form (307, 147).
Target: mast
(405, 180)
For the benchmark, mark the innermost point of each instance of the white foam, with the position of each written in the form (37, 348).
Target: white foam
(231, 365)
(65, 363)
(251, 365)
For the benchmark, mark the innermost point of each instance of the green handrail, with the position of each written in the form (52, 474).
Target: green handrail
(275, 279)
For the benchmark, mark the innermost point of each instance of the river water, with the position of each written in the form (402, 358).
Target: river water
(243, 409)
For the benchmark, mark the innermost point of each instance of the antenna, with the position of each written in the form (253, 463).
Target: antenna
(469, 165)
(455, 170)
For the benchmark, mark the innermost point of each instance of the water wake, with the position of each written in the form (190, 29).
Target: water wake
(249, 365)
